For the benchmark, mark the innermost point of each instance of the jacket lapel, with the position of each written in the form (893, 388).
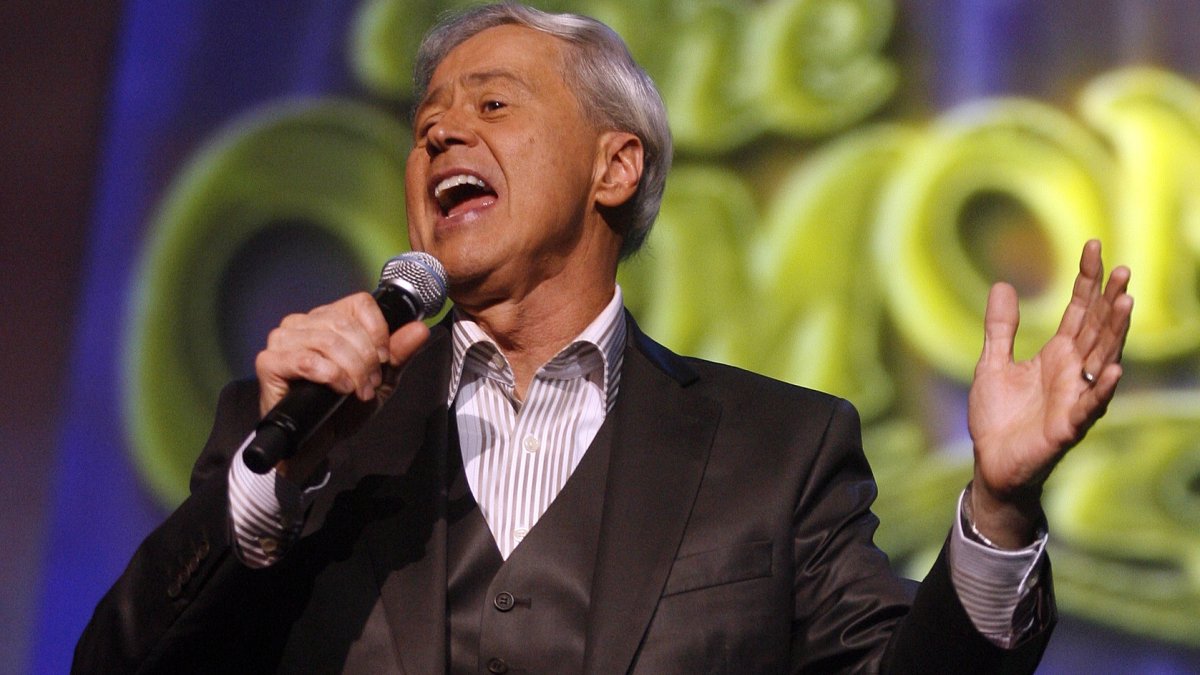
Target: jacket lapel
(407, 549)
(663, 433)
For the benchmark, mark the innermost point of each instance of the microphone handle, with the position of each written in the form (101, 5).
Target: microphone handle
(307, 404)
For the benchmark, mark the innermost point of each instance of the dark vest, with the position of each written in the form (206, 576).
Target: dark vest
(527, 614)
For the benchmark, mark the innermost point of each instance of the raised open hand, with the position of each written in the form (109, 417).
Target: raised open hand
(1023, 417)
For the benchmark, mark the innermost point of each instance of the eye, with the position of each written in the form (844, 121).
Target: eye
(492, 105)
(423, 127)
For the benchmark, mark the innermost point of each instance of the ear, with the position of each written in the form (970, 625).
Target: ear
(618, 168)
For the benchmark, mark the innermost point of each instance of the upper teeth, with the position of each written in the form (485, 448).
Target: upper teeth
(455, 181)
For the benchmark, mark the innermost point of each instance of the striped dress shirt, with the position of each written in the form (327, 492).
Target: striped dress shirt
(519, 454)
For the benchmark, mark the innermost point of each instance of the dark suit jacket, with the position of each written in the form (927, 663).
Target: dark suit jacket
(736, 537)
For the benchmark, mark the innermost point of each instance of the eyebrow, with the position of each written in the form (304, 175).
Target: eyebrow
(477, 79)
(486, 76)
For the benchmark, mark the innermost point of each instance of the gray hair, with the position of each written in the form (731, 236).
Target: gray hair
(612, 89)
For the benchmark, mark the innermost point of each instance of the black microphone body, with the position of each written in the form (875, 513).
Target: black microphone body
(412, 286)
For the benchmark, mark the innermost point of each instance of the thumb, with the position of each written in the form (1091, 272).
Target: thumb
(401, 346)
(1000, 322)
(406, 341)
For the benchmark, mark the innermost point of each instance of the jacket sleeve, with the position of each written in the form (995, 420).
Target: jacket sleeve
(937, 636)
(181, 567)
(852, 612)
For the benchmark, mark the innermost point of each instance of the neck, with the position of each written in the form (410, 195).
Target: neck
(532, 329)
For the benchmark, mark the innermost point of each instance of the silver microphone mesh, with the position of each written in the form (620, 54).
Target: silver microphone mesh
(420, 273)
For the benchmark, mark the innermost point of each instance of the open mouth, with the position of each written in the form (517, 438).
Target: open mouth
(461, 193)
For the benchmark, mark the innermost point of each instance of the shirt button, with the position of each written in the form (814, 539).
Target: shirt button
(498, 361)
(531, 444)
(504, 601)
(497, 666)
(269, 544)
(520, 533)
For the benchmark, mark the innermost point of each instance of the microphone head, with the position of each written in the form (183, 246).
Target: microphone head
(422, 275)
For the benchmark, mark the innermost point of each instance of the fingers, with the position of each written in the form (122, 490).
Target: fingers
(1000, 321)
(1097, 317)
(341, 345)
(1104, 340)
(1118, 284)
(1085, 292)
(1094, 401)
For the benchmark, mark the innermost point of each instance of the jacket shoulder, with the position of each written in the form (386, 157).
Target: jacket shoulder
(729, 383)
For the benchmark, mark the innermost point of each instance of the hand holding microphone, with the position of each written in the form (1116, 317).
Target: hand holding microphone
(314, 361)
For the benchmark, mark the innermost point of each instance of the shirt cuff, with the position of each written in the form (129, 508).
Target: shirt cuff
(992, 582)
(266, 511)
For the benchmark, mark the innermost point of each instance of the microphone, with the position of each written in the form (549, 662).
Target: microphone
(412, 286)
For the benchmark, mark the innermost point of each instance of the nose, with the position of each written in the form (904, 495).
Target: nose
(452, 128)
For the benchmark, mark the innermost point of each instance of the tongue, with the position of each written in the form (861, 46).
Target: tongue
(477, 202)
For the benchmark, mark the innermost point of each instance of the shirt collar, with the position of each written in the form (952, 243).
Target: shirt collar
(603, 337)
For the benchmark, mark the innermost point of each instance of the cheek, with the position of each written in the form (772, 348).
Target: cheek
(415, 170)
(414, 181)
(414, 225)
(562, 165)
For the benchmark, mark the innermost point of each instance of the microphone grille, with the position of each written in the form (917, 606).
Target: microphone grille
(422, 274)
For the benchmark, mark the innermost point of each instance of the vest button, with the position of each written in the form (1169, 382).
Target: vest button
(504, 602)
(497, 666)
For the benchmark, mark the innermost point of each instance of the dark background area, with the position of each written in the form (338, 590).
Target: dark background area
(55, 58)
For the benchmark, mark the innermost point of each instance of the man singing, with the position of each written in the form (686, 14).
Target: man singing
(534, 485)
